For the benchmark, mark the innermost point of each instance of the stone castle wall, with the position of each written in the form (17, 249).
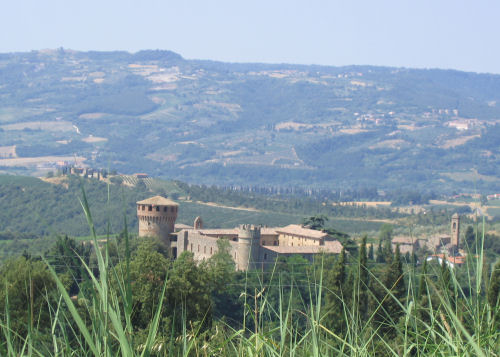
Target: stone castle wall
(202, 247)
(243, 251)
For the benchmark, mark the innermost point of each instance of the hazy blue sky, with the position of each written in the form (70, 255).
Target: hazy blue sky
(455, 34)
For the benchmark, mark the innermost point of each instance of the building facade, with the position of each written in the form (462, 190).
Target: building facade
(441, 243)
(250, 246)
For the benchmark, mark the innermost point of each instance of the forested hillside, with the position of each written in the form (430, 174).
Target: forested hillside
(33, 206)
(239, 124)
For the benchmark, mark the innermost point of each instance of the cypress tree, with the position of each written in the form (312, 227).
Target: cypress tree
(363, 279)
(447, 285)
(380, 253)
(334, 296)
(394, 282)
(407, 258)
(470, 238)
(370, 252)
(422, 285)
(445, 276)
(494, 288)
(387, 251)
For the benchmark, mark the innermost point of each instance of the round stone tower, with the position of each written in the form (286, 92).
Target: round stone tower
(157, 217)
(248, 246)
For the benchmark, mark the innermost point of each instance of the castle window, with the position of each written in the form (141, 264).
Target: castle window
(198, 248)
(265, 256)
(157, 209)
(205, 250)
(150, 208)
(275, 242)
(191, 246)
(210, 250)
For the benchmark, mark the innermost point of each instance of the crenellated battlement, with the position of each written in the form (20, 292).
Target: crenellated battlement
(249, 231)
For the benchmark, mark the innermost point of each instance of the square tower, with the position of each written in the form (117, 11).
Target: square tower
(455, 230)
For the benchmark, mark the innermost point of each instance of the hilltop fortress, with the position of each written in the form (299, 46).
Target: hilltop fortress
(250, 246)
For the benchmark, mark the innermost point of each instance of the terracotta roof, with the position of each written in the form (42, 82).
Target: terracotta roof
(330, 247)
(158, 200)
(182, 226)
(295, 229)
(455, 260)
(268, 231)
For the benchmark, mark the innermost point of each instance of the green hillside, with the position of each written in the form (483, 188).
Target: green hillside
(240, 124)
(36, 207)
(35, 212)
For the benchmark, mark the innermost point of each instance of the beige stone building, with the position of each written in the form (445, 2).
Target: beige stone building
(406, 244)
(250, 246)
(446, 243)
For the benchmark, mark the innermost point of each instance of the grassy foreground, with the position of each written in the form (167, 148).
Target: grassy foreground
(435, 315)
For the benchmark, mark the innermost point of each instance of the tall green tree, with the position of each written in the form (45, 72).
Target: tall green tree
(385, 232)
(380, 253)
(188, 294)
(29, 289)
(395, 285)
(470, 238)
(494, 288)
(148, 271)
(68, 258)
(370, 252)
(387, 251)
(422, 285)
(315, 222)
(334, 294)
(363, 279)
(221, 270)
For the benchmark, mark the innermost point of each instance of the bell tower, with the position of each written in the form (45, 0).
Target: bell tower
(455, 230)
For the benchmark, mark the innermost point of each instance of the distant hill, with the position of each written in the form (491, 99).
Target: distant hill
(241, 124)
(52, 207)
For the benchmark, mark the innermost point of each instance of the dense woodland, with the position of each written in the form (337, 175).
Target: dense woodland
(383, 303)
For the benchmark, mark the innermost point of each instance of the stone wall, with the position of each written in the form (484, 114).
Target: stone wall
(203, 247)
(289, 240)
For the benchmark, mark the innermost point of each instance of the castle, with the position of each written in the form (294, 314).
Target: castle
(250, 246)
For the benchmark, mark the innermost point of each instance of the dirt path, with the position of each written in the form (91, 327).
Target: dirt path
(213, 204)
